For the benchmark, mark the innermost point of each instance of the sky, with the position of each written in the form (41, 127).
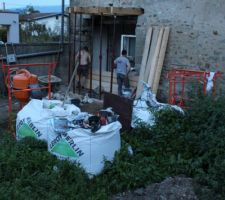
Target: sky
(23, 3)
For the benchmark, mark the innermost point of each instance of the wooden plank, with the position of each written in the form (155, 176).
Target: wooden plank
(160, 60)
(155, 59)
(151, 53)
(105, 85)
(127, 11)
(132, 76)
(106, 10)
(104, 79)
(133, 79)
(144, 60)
(88, 10)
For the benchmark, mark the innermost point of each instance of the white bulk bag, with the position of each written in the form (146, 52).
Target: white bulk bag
(34, 119)
(80, 145)
(87, 148)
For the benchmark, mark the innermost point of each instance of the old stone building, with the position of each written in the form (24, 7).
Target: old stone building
(196, 39)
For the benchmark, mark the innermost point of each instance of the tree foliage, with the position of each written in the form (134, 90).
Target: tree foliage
(29, 10)
(31, 31)
(35, 32)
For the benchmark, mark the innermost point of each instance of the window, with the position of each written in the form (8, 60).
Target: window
(128, 43)
(3, 33)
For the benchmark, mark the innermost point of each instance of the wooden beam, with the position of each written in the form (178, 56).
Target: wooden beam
(125, 21)
(106, 10)
(105, 79)
(127, 11)
(160, 61)
(155, 59)
(144, 60)
(155, 35)
(132, 76)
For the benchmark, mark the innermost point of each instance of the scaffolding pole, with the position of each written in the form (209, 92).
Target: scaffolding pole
(80, 27)
(113, 53)
(69, 45)
(100, 58)
(92, 45)
(74, 49)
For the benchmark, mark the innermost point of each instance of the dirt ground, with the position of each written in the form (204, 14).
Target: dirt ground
(4, 113)
(177, 188)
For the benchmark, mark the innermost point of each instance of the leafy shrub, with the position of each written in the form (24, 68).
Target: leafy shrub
(29, 171)
(190, 144)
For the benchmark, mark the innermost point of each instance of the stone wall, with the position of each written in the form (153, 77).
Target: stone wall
(197, 31)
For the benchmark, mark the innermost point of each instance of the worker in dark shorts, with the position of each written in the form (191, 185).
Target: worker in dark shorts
(122, 68)
(84, 59)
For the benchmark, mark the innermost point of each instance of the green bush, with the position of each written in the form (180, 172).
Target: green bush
(191, 144)
(29, 171)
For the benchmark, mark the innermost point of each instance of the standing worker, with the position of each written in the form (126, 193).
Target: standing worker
(84, 59)
(122, 68)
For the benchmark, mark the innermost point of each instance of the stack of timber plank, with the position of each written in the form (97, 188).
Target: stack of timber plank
(153, 58)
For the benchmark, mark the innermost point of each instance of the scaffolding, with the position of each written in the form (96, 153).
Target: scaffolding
(77, 31)
(180, 79)
(8, 69)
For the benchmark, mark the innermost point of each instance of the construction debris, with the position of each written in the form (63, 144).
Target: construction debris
(70, 134)
(144, 108)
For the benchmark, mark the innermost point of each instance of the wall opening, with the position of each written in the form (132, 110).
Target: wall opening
(128, 42)
(3, 33)
(111, 44)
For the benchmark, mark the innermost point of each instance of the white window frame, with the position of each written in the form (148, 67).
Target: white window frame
(122, 41)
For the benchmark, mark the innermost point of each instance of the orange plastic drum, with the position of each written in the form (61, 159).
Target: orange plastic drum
(21, 81)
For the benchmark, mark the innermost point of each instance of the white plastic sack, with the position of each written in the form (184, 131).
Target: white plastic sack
(145, 106)
(209, 85)
(34, 119)
(87, 148)
(142, 114)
